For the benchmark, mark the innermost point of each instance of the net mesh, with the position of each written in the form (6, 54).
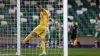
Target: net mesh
(30, 19)
(8, 27)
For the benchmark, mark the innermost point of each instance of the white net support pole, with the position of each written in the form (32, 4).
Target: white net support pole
(65, 28)
(18, 27)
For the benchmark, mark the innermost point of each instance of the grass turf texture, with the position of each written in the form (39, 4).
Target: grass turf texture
(84, 52)
(33, 51)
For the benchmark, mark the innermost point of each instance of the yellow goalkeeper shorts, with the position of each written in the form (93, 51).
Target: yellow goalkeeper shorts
(40, 30)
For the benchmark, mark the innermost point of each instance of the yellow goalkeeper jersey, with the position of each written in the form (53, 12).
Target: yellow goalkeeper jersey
(44, 18)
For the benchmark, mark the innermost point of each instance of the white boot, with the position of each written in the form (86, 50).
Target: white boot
(43, 54)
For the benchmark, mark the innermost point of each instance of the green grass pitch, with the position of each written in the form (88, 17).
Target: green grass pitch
(34, 51)
(54, 51)
(84, 52)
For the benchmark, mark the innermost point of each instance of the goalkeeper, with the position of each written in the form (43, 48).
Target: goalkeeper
(40, 30)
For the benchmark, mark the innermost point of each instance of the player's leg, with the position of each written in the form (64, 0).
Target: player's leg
(98, 43)
(34, 33)
(78, 43)
(42, 37)
(75, 42)
(96, 40)
(75, 39)
(72, 40)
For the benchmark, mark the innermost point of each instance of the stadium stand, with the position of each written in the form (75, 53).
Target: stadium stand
(29, 16)
(84, 11)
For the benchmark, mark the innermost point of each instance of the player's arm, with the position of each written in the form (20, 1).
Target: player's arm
(76, 26)
(97, 27)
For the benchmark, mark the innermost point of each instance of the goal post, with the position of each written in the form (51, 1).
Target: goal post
(10, 28)
(18, 29)
(65, 4)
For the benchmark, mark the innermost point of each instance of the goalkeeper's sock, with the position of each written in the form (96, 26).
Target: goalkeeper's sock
(28, 38)
(43, 46)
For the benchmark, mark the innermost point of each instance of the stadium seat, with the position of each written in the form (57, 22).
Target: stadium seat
(71, 17)
(12, 11)
(49, 6)
(59, 11)
(52, 1)
(2, 5)
(92, 21)
(79, 12)
(33, 3)
(1, 16)
(35, 17)
(93, 4)
(23, 20)
(13, 2)
(84, 9)
(69, 6)
(21, 14)
(27, 2)
(4, 23)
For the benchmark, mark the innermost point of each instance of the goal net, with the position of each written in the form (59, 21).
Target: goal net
(8, 28)
(21, 18)
(30, 19)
